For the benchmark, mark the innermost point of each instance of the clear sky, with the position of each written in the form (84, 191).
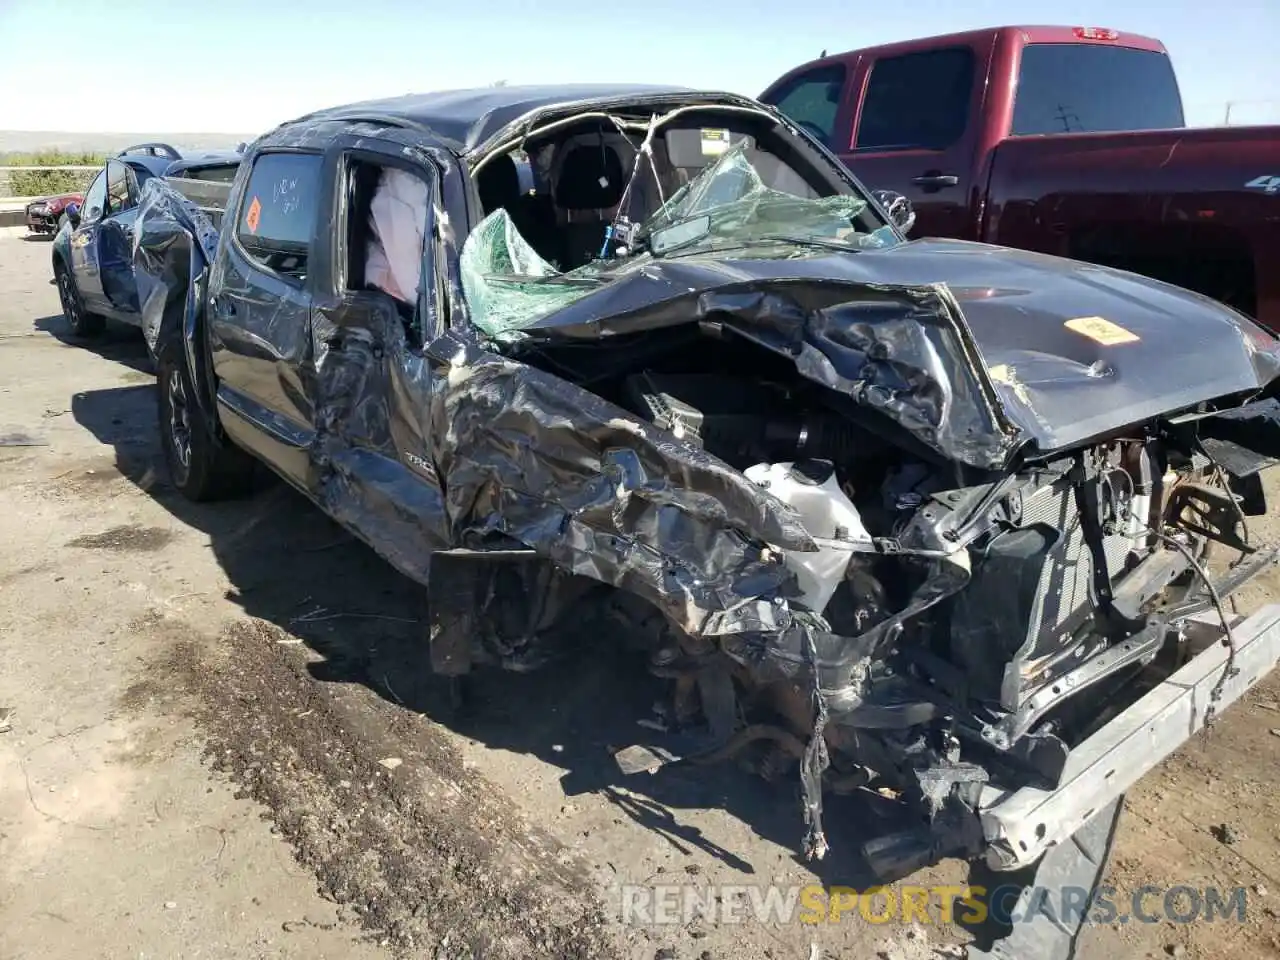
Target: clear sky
(240, 66)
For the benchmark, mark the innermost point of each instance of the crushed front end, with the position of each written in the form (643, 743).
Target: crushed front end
(924, 539)
(897, 536)
(828, 585)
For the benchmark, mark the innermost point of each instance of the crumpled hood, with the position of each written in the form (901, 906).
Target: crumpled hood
(1077, 349)
(973, 348)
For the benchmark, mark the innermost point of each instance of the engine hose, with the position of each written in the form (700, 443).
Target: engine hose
(817, 436)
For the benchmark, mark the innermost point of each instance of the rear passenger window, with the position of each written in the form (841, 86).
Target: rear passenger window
(812, 99)
(278, 211)
(919, 101)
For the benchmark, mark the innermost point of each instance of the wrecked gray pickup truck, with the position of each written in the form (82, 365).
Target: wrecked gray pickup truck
(925, 518)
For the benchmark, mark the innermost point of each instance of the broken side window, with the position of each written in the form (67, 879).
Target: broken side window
(388, 226)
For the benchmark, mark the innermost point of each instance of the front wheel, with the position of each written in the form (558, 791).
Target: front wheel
(83, 324)
(202, 465)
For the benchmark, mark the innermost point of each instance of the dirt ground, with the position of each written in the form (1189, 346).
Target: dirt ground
(225, 741)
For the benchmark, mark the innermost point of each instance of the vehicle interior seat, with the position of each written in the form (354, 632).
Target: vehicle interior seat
(532, 214)
(587, 192)
(498, 184)
(688, 155)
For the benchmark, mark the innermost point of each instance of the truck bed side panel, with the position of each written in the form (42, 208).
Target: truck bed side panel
(1174, 204)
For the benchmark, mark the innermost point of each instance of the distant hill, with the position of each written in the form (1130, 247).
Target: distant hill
(30, 141)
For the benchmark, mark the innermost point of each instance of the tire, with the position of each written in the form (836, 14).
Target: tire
(84, 325)
(202, 464)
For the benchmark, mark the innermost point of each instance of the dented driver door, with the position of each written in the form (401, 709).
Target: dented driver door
(259, 315)
(374, 468)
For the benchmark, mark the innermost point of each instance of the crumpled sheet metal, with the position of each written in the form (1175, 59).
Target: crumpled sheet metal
(174, 242)
(589, 486)
(902, 351)
(505, 451)
(514, 452)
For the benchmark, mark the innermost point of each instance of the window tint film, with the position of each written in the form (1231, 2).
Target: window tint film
(281, 200)
(812, 100)
(919, 101)
(1087, 88)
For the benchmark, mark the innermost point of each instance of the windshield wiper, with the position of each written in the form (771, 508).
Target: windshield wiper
(693, 250)
(824, 242)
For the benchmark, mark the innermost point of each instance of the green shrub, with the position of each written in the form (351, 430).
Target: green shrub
(43, 183)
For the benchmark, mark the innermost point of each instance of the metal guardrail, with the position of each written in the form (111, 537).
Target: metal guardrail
(4, 168)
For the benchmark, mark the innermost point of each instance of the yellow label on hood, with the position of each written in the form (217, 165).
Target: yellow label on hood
(1101, 330)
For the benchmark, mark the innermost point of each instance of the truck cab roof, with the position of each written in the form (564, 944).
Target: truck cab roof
(468, 120)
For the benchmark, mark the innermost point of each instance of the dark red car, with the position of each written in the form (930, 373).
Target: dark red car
(1063, 140)
(45, 216)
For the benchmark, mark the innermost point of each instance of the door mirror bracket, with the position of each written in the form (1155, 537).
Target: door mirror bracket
(897, 207)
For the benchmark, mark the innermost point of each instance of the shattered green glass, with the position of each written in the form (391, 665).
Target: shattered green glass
(492, 260)
(742, 208)
(509, 287)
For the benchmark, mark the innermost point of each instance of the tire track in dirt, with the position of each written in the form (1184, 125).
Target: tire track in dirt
(429, 855)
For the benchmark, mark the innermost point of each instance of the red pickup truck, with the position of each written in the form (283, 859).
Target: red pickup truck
(1064, 140)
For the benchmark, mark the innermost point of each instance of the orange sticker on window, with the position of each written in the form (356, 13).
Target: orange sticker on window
(254, 215)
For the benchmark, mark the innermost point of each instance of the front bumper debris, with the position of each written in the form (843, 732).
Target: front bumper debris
(1020, 826)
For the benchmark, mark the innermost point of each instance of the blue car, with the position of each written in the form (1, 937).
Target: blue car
(93, 251)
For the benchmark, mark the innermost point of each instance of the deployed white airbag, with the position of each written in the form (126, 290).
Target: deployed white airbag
(397, 222)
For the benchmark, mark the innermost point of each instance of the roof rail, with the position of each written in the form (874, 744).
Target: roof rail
(152, 150)
(340, 115)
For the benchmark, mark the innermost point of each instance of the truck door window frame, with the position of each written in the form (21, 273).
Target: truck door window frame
(87, 215)
(427, 312)
(117, 173)
(836, 74)
(319, 197)
(960, 101)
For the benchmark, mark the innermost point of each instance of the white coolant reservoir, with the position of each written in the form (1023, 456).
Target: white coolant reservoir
(811, 488)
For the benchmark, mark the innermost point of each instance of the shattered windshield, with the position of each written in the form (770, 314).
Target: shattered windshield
(727, 206)
(508, 286)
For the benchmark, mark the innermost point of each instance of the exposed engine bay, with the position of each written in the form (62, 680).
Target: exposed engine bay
(958, 627)
(950, 627)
